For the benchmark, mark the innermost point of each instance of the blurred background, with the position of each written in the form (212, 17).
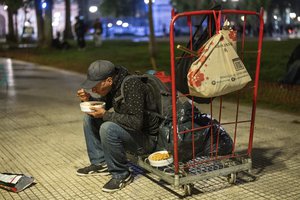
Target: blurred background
(135, 34)
(23, 20)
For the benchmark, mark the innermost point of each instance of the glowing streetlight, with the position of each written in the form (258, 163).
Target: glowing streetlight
(109, 25)
(147, 1)
(5, 7)
(125, 25)
(44, 5)
(293, 15)
(119, 22)
(275, 17)
(298, 18)
(93, 9)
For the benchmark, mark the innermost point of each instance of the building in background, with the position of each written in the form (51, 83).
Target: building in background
(26, 25)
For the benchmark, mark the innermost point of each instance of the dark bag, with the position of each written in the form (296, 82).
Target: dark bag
(158, 101)
(201, 137)
(225, 144)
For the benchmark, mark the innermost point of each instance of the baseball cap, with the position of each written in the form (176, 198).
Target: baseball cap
(98, 71)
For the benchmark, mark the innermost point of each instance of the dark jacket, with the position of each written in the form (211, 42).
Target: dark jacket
(129, 112)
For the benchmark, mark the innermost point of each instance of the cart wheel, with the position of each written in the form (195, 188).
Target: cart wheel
(188, 189)
(231, 178)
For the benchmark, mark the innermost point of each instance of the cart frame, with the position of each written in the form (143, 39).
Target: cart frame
(234, 162)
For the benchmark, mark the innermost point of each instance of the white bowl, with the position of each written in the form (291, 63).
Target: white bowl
(86, 106)
(160, 163)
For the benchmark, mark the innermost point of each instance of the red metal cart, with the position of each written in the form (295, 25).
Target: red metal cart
(234, 117)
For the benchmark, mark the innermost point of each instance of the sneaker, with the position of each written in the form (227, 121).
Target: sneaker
(93, 170)
(117, 184)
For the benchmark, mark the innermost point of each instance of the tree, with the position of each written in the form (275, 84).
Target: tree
(152, 43)
(12, 8)
(68, 28)
(48, 24)
(40, 21)
(44, 23)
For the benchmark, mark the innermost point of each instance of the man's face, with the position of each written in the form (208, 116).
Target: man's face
(103, 87)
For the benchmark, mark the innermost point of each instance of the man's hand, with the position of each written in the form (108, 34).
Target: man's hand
(83, 95)
(98, 112)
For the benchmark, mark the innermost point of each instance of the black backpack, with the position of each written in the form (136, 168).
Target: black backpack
(158, 100)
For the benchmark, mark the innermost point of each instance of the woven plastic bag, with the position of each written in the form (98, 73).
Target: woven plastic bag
(218, 70)
(229, 34)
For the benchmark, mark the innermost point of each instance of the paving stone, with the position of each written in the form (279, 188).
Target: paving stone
(41, 135)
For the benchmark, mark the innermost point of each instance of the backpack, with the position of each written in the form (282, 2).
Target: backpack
(158, 100)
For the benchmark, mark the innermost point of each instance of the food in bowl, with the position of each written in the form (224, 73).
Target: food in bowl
(160, 156)
(160, 159)
(87, 105)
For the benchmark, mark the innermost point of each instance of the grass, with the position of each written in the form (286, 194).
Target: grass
(135, 56)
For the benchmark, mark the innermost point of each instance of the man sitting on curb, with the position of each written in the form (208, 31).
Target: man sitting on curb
(109, 134)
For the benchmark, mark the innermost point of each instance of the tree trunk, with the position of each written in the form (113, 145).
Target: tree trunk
(40, 21)
(16, 33)
(152, 43)
(68, 27)
(11, 32)
(48, 24)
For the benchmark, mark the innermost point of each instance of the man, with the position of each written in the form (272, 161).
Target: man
(109, 134)
(80, 29)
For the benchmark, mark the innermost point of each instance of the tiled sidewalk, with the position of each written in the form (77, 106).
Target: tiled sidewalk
(41, 135)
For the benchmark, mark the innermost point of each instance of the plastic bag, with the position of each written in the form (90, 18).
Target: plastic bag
(197, 142)
(218, 70)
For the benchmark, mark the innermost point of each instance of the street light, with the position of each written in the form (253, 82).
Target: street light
(119, 22)
(44, 5)
(293, 15)
(147, 1)
(93, 9)
(125, 25)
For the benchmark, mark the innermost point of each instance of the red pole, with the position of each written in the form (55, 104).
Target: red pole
(173, 86)
(261, 31)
